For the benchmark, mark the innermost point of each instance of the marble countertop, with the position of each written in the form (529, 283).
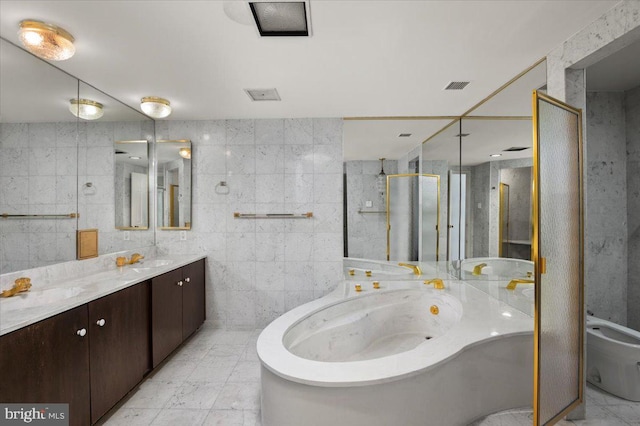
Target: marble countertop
(484, 319)
(56, 297)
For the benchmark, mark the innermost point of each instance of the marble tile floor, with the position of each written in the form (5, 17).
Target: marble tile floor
(214, 379)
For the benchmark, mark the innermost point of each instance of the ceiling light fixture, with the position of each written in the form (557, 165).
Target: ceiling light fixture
(86, 109)
(46, 41)
(185, 153)
(381, 181)
(155, 107)
(286, 18)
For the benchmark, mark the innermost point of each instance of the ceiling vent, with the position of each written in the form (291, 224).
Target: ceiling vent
(404, 135)
(456, 85)
(287, 18)
(263, 94)
(515, 149)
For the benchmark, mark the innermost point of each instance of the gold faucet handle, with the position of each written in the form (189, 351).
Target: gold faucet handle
(121, 261)
(20, 285)
(438, 284)
(416, 269)
(513, 283)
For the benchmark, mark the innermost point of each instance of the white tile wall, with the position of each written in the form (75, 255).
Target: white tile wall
(258, 269)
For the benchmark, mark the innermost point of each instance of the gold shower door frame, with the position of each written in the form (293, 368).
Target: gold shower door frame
(559, 293)
(388, 202)
(504, 194)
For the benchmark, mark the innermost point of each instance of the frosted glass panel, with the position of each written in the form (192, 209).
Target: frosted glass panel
(559, 310)
(401, 225)
(412, 214)
(430, 205)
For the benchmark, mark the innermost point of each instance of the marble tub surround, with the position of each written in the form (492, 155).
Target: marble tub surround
(377, 385)
(384, 270)
(483, 318)
(51, 297)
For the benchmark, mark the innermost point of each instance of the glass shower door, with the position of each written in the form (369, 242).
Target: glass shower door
(557, 251)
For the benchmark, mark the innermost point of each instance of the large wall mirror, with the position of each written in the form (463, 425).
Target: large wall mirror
(58, 173)
(174, 184)
(472, 158)
(38, 162)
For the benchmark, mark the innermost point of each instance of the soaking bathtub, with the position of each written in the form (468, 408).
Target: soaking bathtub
(496, 268)
(404, 354)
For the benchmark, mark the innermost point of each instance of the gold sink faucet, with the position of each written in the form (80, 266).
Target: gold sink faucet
(513, 283)
(416, 269)
(438, 284)
(477, 270)
(19, 286)
(135, 258)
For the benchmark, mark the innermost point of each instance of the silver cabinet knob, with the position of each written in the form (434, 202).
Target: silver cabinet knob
(101, 322)
(180, 283)
(188, 280)
(82, 332)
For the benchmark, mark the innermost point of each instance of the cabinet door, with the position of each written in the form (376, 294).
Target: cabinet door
(118, 345)
(193, 303)
(48, 362)
(166, 314)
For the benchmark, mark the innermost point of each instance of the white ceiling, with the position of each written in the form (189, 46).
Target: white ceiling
(364, 58)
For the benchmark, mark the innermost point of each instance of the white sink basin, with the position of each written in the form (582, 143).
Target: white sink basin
(37, 298)
(155, 263)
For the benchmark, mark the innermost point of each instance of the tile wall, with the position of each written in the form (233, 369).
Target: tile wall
(258, 269)
(367, 232)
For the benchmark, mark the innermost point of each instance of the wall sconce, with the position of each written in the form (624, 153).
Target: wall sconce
(46, 41)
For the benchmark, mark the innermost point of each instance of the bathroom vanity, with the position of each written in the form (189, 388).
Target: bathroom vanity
(93, 351)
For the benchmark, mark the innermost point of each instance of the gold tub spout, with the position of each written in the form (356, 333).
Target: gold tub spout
(513, 283)
(438, 284)
(135, 258)
(477, 270)
(416, 269)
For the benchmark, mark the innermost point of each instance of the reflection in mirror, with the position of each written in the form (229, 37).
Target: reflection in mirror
(440, 157)
(132, 185)
(413, 205)
(38, 162)
(174, 184)
(104, 199)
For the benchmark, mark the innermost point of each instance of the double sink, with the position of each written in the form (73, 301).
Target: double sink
(75, 288)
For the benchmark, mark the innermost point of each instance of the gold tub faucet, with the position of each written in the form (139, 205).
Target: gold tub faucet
(416, 269)
(438, 284)
(477, 270)
(513, 283)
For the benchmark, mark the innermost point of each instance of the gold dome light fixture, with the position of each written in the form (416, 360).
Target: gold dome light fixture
(46, 41)
(155, 107)
(185, 153)
(86, 109)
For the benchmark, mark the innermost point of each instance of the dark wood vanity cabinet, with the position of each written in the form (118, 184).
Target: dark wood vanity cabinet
(48, 362)
(177, 308)
(118, 345)
(93, 355)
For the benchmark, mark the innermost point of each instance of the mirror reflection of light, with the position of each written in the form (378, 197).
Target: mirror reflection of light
(506, 314)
